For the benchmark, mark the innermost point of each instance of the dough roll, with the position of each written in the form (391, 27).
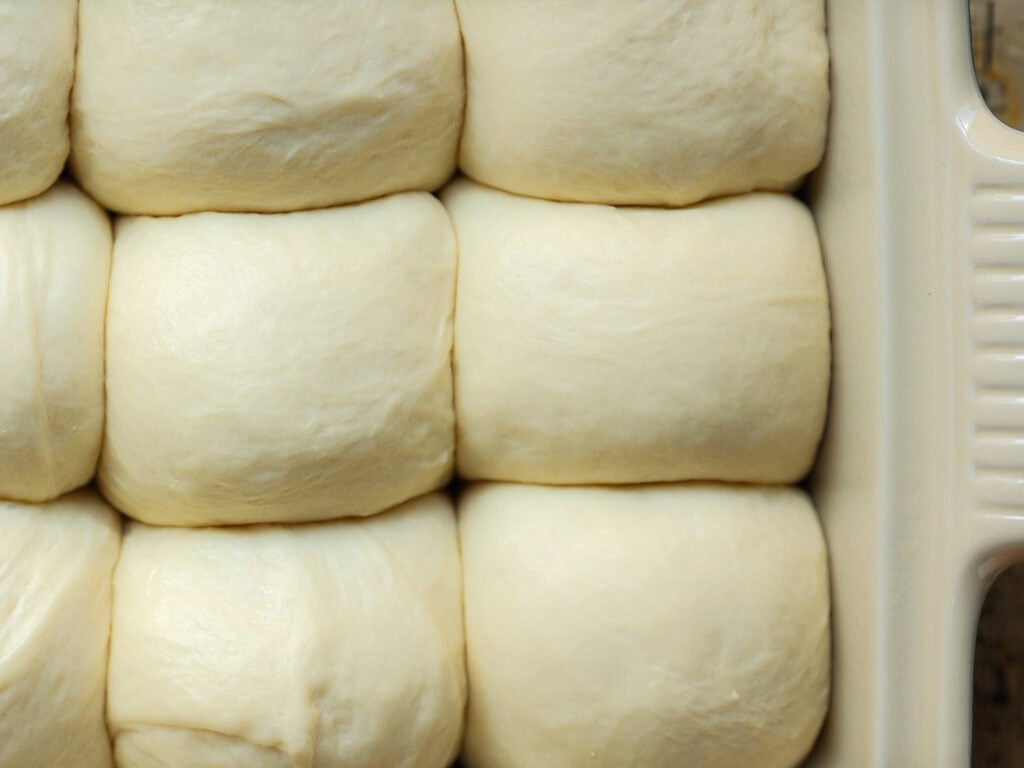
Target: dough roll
(657, 626)
(279, 367)
(54, 268)
(664, 102)
(56, 569)
(261, 105)
(311, 646)
(37, 67)
(625, 345)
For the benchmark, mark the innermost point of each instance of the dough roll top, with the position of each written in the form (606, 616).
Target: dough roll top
(56, 569)
(664, 102)
(624, 345)
(54, 268)
(671, 625)
(279, 367)
(260, 105)
(329, 644)
(37, 65)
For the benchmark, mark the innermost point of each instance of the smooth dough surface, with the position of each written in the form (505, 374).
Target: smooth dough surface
(54, 267)
(657, 626)
(604, 345)
(664, 102)
(279, 367)
(259, 105)
(37, 66)
(314, 646)
(56, 569)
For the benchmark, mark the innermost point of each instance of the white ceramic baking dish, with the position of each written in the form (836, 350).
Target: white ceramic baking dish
(920, 482)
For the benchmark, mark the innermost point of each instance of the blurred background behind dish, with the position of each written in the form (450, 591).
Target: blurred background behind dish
(997, 37)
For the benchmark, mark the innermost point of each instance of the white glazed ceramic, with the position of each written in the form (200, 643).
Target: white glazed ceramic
(920, 483)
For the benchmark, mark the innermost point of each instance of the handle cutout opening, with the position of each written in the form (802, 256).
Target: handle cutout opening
(997, 40)
(998, 690)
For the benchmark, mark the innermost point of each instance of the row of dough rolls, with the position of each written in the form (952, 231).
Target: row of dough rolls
(159, 117)
(257, 368)
(338, 643)
(296, 367)
(655, 625)
(661, 625)
(211, 420)
(371, 99)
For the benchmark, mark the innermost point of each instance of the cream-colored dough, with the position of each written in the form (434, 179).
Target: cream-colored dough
(261, 105)
(664, 102)
(56, 568)
(279, 367)
(659, 626)
(54, 266)
(37, 66)
(314, 646)
(604, 345)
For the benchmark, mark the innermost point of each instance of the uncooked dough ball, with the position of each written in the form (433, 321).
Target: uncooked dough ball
(657, 626)
(261, 105)
(314, 646)
(664, 102)
(56, 569)
(279, 367)
(37, 66)
(54, 266)
(604, 345)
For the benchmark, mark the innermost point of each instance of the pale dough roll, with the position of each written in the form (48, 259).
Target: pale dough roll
(656, 626)
(37, 66)
(260, 105)
(56, 570)
(604, 345)
(54, 267)
(279, 367)
(313, 646)
(664, 102)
